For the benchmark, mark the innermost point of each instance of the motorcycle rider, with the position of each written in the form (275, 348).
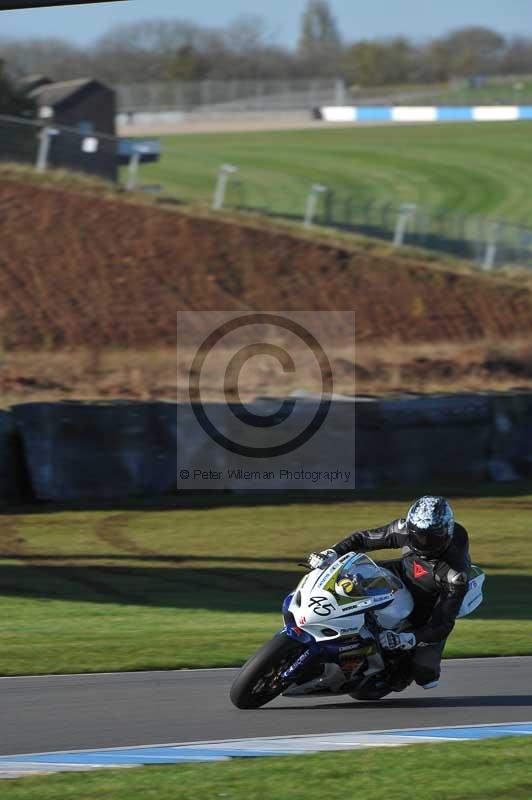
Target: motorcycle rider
(434, 567)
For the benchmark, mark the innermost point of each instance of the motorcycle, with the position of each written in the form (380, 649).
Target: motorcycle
(329, 644)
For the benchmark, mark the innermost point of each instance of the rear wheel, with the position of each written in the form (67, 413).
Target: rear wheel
(259, 680)
(371, 693)
(383, 684)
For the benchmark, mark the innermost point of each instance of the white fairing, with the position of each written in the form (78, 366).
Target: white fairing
(474, 596)
(402, 606)
(318, 609)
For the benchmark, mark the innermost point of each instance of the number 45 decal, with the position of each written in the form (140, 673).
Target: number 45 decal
(321, 606)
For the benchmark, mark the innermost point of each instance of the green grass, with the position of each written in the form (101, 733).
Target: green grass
(483, 168)
(517, 91)
(498, 90)
(488, 770)
(143, 589)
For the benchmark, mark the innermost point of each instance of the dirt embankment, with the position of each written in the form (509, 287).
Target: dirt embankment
(80, 272)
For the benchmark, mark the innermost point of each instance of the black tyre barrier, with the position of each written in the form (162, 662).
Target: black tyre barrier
(98, 451)
(420, 439)
(511, 437)
(101, 450)
(14, 483)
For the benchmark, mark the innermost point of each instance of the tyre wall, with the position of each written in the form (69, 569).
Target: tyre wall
(83, 451)
(13, 478)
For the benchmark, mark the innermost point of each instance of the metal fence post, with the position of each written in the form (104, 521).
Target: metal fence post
(491, 247)
(221, 185)
(339, 92)
(312, 203)
(44, 148)
(406, 212)
(133, 170)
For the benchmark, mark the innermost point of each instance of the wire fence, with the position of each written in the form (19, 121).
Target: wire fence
(230, 96)
(303, 94)
(490, 243)
(179, 177)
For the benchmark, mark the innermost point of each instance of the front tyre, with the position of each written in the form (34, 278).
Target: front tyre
(259, 680)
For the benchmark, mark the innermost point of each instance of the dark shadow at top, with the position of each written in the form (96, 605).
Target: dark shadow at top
(178, 558)
(207, 500)
(213, 588)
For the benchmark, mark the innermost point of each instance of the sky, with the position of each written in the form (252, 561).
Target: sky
(418, 19)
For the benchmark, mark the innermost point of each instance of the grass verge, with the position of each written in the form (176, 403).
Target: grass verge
(487, 770)
(468, 168)
(201, 587)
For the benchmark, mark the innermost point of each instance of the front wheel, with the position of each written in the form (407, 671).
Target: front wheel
(259, 680)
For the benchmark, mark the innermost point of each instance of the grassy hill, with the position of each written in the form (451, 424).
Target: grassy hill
(96, 282)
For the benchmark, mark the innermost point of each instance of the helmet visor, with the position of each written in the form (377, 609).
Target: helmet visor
(429, 541)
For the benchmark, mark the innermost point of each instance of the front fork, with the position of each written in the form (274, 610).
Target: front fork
(309, 655)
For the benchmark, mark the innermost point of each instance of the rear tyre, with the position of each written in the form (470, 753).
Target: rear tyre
(375, 689)
(371, 693)
(382, 685)
(259, 680)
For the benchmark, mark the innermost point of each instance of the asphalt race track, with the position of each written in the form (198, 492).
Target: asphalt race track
(42, 714)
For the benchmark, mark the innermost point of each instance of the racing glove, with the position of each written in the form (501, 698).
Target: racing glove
(322, 560)
(390, 640)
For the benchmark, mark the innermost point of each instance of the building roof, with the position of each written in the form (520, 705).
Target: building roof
(31, 82)
(53, 94)
(35, 78)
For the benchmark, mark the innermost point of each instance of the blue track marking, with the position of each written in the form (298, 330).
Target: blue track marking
(198, 752)
(474, 732)
(141, 755)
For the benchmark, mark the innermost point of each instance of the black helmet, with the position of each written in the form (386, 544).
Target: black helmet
(430, 523)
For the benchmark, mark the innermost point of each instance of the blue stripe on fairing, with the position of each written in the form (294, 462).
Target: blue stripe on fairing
(525, 112)
(475, 732)
(446, 113)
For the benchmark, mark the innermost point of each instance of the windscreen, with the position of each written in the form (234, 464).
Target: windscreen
(361, 577)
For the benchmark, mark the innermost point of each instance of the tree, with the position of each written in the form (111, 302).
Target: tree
(53, 57)
(381, 62)
(247, 34)
(13, 101)
(465, 53)
(319, 40)
(517, 56)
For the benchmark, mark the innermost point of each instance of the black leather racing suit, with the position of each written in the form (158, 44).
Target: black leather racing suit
(438, 586)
